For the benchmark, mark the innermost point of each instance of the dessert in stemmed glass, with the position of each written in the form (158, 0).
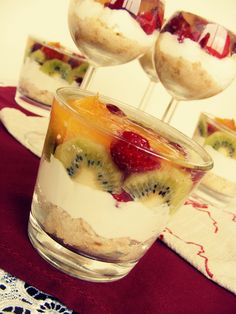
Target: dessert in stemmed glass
(114, 32)
(194, 58)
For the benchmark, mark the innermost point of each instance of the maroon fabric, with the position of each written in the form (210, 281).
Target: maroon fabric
(161, 282)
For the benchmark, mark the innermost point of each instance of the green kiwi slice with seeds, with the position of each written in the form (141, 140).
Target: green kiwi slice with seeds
(81, 155)
(38, 56)
(77, 72)
(56, 67)
(166, 185)
(222, 142)
(202, 126)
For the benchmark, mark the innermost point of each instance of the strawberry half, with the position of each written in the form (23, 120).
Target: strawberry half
(215, 40)
(52, 54)
(149, 21)
(132, 153)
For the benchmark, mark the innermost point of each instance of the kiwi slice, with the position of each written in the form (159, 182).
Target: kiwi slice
(202, 126)
(77, 72)
(165, 185)
(56, 67)
(223, 143)
(38, 56)
(80, 154)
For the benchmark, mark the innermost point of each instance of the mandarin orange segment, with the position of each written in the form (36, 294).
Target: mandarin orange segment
(66, 125)
(230, 123)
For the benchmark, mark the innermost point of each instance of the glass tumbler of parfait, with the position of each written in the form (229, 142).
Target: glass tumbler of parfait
(47, 66)
(110, 177)
(194, 58)
(114, 32)
(218, 137)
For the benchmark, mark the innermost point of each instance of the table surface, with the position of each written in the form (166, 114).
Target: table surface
(162, 282)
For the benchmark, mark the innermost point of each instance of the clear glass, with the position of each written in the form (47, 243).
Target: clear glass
(218, 137)
(110, 177)
(194, 58)
(46, 67)
(114, 32)
(147, 64)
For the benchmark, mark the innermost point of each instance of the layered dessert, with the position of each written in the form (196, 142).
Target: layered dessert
(218, 136)
(114, 32)
(110, 177)
(195, 58)
(48, 66)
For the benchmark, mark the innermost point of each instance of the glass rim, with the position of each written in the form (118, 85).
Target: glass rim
(219, 125)
(205, 161)
(203, 17)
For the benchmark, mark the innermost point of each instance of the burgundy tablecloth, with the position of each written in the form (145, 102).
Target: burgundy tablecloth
(162, 282)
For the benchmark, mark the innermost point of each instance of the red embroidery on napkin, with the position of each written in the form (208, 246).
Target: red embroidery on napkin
(201, 207)
(232, 214)
(199, 253)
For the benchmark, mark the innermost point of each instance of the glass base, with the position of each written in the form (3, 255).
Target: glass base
(32, 105)
(74, 264)
(211, 197)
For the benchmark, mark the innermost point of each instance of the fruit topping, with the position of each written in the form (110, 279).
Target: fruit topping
(180, 27)
(56, 67)
(36, 46)
(150, 21)
(77, 72)
(83, 160)
(115, 110)
(164, 185)
(230, 123)
(132, 153)
(223, 143)
(122, 197)
(51, 53)
(38, 56)
(215, 40)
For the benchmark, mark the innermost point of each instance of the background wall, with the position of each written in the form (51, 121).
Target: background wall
(48, 20)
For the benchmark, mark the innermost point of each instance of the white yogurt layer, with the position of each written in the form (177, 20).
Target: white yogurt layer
(98, 208)
(222, 70)
(224, 166)
(31, 72)
(119, 21)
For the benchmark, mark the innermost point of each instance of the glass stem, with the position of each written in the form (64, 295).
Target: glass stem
(88, 77)
(170, 110)
(146, 96)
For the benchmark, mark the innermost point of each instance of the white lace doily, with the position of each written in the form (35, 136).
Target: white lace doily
(18, 297)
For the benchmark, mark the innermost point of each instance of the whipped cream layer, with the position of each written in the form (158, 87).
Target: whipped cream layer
(32, 73)
(199, 66)
(120, 21)
(224, 167)
(99, 209)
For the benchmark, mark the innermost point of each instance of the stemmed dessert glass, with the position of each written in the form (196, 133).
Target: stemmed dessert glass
(194, 58)
(147, 64)
(114, 32)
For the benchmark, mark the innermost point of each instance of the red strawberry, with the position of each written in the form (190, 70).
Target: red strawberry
(216, 41)
(118, 4)
(196, 175)
(211, 128)
(52, 54)
(132, 153)
(122, 197)
(180, 27)
(149, 21)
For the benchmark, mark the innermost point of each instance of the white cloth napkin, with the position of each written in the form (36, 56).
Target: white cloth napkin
(29, 131)
(203, 235)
